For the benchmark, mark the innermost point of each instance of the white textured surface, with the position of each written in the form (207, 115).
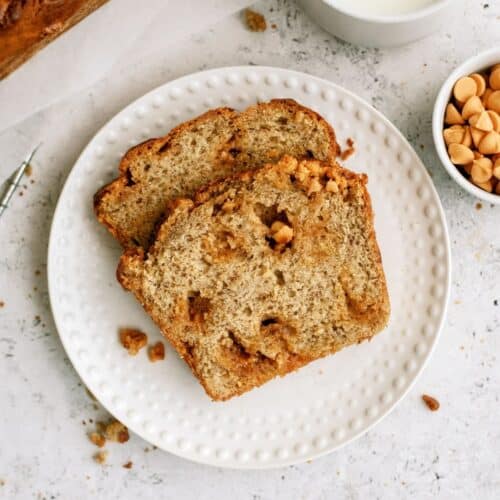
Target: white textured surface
(453, 453)
(308, 413)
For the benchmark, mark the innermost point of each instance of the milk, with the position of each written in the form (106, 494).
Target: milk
(382, 7)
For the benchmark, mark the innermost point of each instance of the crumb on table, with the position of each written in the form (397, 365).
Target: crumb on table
(156, 352)
(2, 303)
(98, 439)
(128, 465)
(432, 403)
(479, 205)
(255, 21)
(101, 456)
(116, 431)
(29, 170)
(133, 340)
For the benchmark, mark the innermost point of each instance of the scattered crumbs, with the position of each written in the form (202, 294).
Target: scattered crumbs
(128, 465)
(98, 439)
(154, 447)
(479, 205)
(273, 26)
(349, 151)
(462, 348)
(309, 461)
(37, 320)
(38, 272)
(486, 5)
(32, 181)
(432, 403)
(146, 450)
(87, 477)
(116, 431)
(2, 303)
(96, 407)
(133, 340)
(320, 372)
(101, 456)
(282, 478)
(83, 422)
(495, 303)
(2, 482)
(425, 65)
(156, 352)
(43, 325)
(422, 146)
(21, 193)
(458, 301)
(255, 21)
(91, 420)
(28, 170)
(35, 288)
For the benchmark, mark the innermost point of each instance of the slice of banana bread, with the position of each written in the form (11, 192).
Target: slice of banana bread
(210, 147)
(263, 272)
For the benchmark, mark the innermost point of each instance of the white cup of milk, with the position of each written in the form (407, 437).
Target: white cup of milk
(379, 23)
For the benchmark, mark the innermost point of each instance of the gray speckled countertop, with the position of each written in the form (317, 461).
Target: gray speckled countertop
(453, 453)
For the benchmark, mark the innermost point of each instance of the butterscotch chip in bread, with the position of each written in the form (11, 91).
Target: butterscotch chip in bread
(241, 299)
(208, 148)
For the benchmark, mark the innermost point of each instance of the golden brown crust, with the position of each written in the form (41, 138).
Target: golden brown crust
(26, 26)
(116, 193)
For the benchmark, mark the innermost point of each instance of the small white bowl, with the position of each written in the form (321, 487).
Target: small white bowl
(378, 30)
(475, 64)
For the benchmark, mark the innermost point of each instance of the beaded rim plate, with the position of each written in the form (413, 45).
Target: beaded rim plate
(307, 413)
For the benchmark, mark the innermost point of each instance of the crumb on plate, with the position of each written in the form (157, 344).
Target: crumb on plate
(133, 340)
(156, 352)
(432, 403)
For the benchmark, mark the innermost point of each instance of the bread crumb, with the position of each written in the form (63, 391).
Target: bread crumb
(273, 26)
(116, 431)
(255, 21)
(98, 439)
(349, 151)
(432, 403)
(128, 465)
(156, 352)
(2, 303)
(101, 456)
(28, 170)
(479, 206)
(133, 340)
(38, 272)
(2, 482)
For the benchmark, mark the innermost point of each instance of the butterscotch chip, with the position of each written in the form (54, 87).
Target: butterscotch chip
(494, 101)
(486, 96)
(117, 432)
(133, 340)
(454, 134)
(481, 121)
(490, 143)
(453, 116)
(482, 170)
(467, 138)
(477, 136)
(495, 120)
(432, 403)
(472, 107)
(480, 82)
(464, 88)
(486, 186)
(101, 456)
(156, 352)
(255, 21)
(495, 79)
(460, 154)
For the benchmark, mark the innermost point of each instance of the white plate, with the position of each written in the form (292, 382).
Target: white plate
(308, 413)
